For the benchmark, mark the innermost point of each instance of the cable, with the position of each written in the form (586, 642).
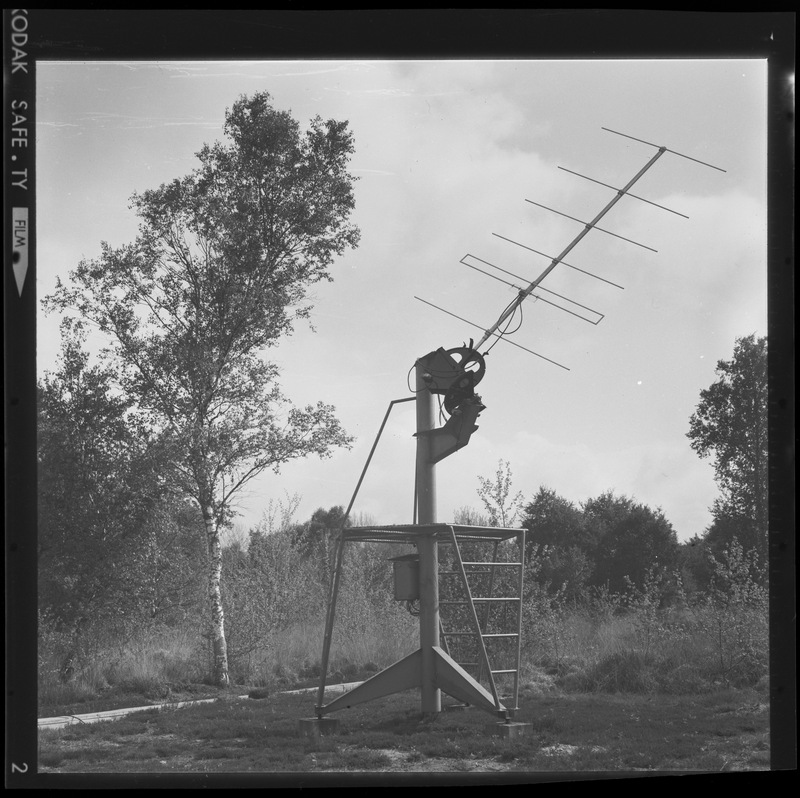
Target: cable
(506, 332)
(442, 417)
(408, 379)
(518, 310)
(413, 606)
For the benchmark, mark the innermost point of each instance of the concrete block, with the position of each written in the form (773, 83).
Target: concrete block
(510, 730)
(318, 727)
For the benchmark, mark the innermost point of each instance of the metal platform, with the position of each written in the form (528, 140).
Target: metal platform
(441, 533)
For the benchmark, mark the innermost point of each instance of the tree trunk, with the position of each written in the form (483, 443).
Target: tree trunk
(219, 645)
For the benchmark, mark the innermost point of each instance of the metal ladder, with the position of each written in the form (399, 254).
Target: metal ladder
(478, 612)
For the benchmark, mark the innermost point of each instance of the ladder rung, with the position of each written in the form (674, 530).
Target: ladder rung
(501, 634)
(460, 634)
(510, 670)
(499, 598)
(517, 564)
(471, 573)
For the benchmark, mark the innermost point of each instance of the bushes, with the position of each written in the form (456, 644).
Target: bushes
(620, 672)
(733, 616)
(275, 598)
(150, 664)
(275, 595)
(652, 638)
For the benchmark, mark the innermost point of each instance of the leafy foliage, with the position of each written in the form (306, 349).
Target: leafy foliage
(279, 583)
(557, 535)
(730, 425)
(116, 546)
(735, 614)
(544, 611)
(317, 537)
(552, 520)
(218, 273)
(695, 565)
(631, 538)
(603, 542)
(501, 507)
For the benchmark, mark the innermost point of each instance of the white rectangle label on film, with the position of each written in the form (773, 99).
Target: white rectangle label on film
(20, 236)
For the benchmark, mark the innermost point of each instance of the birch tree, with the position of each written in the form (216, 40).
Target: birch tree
(219, 273)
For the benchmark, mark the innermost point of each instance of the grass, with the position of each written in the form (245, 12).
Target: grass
(580, 654)
(170, 665)
(602, 689)
(725, 730)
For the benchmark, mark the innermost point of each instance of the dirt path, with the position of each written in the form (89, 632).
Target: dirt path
(60, 721)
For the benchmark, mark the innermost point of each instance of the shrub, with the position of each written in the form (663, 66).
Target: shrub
(733, 615)
(621, 672)
(643, 608)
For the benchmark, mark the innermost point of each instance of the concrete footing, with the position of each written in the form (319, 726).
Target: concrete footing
(509, 729)
(318, 727)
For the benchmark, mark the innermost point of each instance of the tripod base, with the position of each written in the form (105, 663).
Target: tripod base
(407, 673)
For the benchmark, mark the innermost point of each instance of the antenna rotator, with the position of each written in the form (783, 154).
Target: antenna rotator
(458, 369)
(454, 373)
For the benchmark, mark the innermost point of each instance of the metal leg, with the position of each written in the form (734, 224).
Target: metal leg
(326, 644)
(403, 675)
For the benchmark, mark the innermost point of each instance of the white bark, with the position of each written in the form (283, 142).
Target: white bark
(218, 642)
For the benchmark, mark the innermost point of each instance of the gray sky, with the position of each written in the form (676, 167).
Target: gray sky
(447, 152)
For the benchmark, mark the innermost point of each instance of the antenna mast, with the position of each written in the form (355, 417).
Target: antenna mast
(453, 375)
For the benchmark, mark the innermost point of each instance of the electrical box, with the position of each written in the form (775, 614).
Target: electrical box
(406, 577)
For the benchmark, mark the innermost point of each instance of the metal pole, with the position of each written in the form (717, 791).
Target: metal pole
(427, 548)
(326, 642)
(334, 589)
(371, 452)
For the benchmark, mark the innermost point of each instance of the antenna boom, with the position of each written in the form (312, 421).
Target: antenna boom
(523, 295)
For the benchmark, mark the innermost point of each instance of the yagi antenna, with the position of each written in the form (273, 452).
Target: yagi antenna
(523, 293)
